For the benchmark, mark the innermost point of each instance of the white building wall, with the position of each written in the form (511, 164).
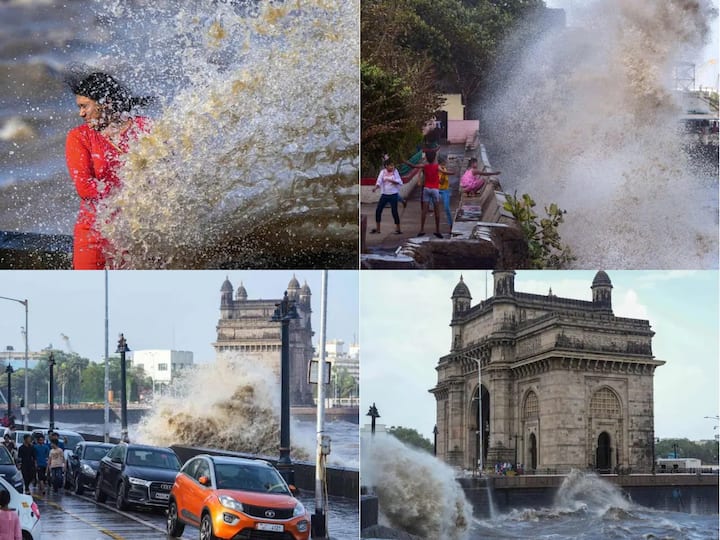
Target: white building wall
(162, 365)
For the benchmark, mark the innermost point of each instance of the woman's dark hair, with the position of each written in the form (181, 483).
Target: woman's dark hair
(471, 161)
(387, 162)
(105, 88)
(430, 156)
(4, 497)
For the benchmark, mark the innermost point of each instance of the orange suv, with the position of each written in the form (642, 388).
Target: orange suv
(235, 499)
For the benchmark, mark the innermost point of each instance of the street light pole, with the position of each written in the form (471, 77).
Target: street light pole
(9, 370)
(373, 414)
(51, 397)
(26, 420)
(435, 434)
(122, 348)
(284, 313)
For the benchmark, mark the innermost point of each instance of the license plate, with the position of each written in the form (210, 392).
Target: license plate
(269, 527)
(163, 496)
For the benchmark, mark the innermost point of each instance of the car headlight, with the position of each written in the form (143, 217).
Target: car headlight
(88, 470)
(299, 510)
(229, 502)
(17, 478)
(139, 481)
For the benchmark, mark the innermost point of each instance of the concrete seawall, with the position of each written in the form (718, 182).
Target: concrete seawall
(676, 492)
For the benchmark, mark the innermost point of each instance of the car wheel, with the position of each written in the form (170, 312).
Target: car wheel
(120, 502)
(206, 528)
(78, 487)
(175, 527)
(100, 496)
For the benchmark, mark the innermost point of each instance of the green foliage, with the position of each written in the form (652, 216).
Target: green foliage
(706, 451)
(544, 245)
(83, 381)
(411, 437)
(412, 51)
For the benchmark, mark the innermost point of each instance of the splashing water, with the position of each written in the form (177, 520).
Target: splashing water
(232, 404)
(416, 492)
(253, 160)
(591, 117)
(587, 491)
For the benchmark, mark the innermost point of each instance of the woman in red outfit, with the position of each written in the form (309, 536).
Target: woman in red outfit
(92, 153)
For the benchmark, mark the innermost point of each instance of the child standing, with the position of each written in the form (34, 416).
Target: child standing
(389, 182)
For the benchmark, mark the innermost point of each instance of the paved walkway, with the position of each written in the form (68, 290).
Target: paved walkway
(387, 240)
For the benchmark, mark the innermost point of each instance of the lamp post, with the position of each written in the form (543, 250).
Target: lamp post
(435, 434)
(516, 437)
(51, 396)
(26, 420)
(675, 449)
(373, 414)
(9, 370)
(122, 348)
(285, 312)
(481, 427)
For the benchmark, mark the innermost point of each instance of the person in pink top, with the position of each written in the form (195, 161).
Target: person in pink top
(9, 520)
(472, 181)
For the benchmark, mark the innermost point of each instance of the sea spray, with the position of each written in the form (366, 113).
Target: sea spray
(253, 159)
(591, 116)
(232, 404)
(589, 492)
(416, 492)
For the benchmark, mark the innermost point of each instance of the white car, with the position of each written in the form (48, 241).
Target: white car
(27, 509)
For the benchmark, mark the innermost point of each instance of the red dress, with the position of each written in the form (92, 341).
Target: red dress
(92, 161)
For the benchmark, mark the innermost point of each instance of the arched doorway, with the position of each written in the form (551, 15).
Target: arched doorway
(485, 423)
(603, 453)
(533, 451)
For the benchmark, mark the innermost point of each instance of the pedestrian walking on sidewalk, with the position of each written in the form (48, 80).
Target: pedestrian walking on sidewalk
(26, 456)
(42, 451)
(389, 182)
(431, 191)
(9, 519)
(56, 466)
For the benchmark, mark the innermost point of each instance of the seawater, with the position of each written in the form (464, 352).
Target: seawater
(589, 508)
(587, 117)
(253, 157)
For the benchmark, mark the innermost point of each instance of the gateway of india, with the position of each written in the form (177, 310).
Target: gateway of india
(565, 383)
(245, 327)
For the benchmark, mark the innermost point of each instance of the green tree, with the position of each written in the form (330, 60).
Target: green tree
(706, 451)
(343, 385)
(411, 437)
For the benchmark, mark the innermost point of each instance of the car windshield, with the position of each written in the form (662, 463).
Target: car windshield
(5, 458)
(72, 440)
(95, 453)
(144, 457)
(249, 478)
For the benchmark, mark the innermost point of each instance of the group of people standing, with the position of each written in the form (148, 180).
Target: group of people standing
(435, 189)
(40, 461)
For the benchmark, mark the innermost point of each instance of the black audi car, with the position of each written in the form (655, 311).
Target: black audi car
(136, 474)
(83, 465)
(9, 471)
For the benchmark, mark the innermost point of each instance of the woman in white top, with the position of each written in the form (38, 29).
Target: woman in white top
(389, 182)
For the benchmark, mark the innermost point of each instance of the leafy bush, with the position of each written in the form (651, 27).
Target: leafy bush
(544, 245)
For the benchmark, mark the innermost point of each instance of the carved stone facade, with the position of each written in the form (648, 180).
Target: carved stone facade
(565, 383)
(245, 327)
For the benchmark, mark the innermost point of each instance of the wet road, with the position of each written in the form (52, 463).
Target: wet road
(66, 516)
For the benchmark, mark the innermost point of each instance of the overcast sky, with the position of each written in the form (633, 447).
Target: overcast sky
(404, 330)
(154, 309)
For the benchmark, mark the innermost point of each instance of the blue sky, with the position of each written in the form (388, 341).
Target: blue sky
(404, 329)
(154, 309)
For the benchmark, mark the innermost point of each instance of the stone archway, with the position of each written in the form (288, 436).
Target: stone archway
(603, 453)
(474, 436)
(532, 462)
